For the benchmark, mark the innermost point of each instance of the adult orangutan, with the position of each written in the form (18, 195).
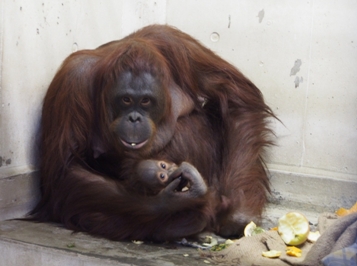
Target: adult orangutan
(157, 94)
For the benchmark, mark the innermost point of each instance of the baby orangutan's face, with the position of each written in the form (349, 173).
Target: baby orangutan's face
(155, 174)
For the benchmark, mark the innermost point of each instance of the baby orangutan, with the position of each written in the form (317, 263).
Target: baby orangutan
(152, 176)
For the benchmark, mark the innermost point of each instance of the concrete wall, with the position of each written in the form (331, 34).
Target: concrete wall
(301, 54)
(35, 38)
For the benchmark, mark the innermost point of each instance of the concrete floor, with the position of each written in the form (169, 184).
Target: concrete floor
(34, 244)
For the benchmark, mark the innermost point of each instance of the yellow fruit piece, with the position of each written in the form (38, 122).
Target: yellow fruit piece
(252, 229)
(313, 236)
(249, 228)
(229, 242)
(293, 251)
(271, 254)
(344, 212)
(138, 242)
(293, 228)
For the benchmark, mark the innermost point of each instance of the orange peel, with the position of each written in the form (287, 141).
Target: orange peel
(293, 251)
(344, 212)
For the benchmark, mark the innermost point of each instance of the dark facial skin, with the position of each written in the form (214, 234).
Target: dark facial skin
(137, 106)
(155, 175)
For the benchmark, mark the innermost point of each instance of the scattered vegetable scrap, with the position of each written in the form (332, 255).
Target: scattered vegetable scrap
(71, 245)
(222, 246)
(210, 241)
(293, 228)
(219, 247)
(271, 254)
(344, 212)
(293, 251)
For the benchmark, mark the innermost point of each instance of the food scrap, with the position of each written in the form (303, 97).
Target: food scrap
(293, 251)
(344, 212)
(210, 241)
(137, 242)
(229, 242)
(252, 229)
(222, 246)
(271, 254)
(313, 236)
(219, 247)
(293, 228)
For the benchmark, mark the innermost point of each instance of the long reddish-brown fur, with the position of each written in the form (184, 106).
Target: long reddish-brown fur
(224, 138)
